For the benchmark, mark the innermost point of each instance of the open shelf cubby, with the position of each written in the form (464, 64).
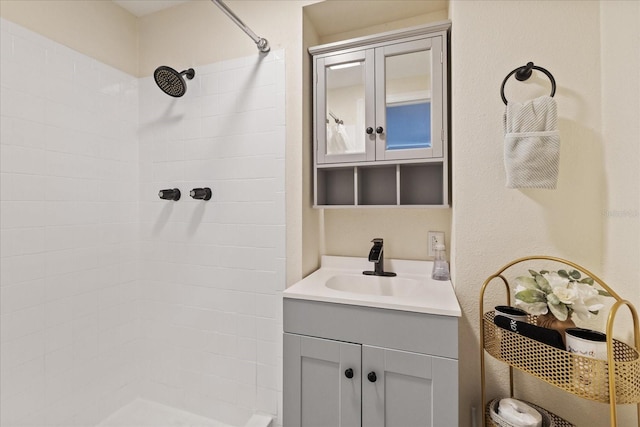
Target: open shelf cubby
(407, 184)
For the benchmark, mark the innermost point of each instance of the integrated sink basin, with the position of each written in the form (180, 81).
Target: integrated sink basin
(340, 280)
(374, 285)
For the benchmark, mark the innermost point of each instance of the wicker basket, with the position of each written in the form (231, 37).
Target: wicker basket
(547, 420)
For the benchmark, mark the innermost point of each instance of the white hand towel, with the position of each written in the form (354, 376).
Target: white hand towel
(532, 143)
(343, 138)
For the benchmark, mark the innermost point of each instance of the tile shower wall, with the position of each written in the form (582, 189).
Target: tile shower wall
(212, 271)
(69, 224)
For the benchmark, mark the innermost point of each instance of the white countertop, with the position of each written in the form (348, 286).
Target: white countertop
(430, 296)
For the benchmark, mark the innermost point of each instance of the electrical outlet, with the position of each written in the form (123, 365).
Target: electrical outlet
(434, 237)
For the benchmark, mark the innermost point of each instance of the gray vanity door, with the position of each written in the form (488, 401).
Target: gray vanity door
(317, 393)
(410, 389)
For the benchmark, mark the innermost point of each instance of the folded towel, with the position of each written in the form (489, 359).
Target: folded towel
(532, 143)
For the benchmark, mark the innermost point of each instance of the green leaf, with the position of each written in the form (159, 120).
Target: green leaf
(543, 284)
(553, 299)
(559, 310)
(575, 274)
(527, 282)
(534, 273)
(587, 280)
(531, 295)
(544, 272)
(604, 293)
(563, 274)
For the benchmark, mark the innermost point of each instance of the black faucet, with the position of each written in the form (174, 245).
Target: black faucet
(376, 256)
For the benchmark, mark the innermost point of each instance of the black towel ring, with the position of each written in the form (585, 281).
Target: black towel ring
(523, 73)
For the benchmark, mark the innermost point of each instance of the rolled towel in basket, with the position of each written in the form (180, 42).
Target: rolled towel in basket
(532, 143)
(519, 414)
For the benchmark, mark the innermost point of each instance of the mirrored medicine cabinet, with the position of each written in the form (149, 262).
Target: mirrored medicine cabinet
(380, 119)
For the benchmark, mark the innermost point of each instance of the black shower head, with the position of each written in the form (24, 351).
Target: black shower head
(171, 81)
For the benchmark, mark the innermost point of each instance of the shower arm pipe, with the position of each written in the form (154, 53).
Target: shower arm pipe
(262, 44)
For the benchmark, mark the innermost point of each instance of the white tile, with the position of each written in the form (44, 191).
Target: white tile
(22, 241)
(23, 377)
(21, 295)
(21, 323)
(21, 350)
(23, 188)
(59, 311)
(22, 268)
(58, 336)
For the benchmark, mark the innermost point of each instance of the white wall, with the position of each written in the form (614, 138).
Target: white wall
(68, 219)
(577, 42)
(212, 271)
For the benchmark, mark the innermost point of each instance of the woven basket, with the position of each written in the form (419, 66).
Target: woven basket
(583, 376)
(547, 420)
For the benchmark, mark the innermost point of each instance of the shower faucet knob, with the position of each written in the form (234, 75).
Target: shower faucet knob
(201, 193)
(169, 194)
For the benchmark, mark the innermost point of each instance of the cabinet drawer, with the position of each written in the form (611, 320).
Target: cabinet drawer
(403, 330)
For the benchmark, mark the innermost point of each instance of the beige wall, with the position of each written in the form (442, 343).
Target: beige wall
(599, 159)
(100, 29)
(620, 27)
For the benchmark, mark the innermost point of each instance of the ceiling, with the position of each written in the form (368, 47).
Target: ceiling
(145, 7)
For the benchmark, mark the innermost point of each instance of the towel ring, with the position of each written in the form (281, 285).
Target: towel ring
(522, 74)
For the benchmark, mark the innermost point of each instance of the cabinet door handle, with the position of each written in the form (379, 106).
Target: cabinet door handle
(348, 373)
(369, 130)
(379, 130)
(372, 377)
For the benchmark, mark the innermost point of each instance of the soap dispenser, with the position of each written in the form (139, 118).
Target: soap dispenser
(440, 264)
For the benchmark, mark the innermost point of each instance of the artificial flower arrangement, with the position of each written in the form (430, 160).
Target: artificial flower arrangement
(560, 292)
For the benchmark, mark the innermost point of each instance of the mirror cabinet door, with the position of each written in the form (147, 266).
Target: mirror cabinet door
(409, 100)
(345, 111)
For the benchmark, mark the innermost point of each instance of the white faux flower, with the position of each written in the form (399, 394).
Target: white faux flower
(558, 293)
(555, 279)
(588, 301)
(565, 295)
(536, 308)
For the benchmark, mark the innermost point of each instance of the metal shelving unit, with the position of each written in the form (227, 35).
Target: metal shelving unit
(613, 381)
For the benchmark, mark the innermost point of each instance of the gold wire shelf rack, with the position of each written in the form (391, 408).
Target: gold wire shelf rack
(581, 376)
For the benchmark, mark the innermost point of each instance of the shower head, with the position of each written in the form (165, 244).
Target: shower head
(171, 81)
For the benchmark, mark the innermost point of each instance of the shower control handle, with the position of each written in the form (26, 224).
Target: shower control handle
(372, 377)
(201, 193)
(369, 130)
(348, 373)
(379, 130)
(169, 194)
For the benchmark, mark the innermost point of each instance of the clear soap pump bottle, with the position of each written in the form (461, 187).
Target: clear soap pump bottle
(440, 264)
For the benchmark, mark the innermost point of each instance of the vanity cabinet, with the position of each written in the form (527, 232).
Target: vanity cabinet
(361, 366)
(381, 119)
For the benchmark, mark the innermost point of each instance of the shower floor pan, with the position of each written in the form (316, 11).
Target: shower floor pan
(144, 413)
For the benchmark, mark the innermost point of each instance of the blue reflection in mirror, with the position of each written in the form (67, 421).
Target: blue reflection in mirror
(408, 126)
